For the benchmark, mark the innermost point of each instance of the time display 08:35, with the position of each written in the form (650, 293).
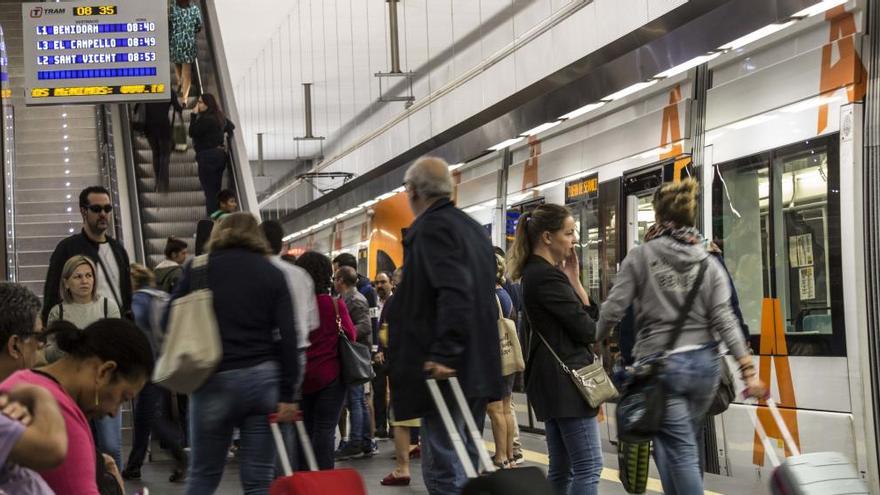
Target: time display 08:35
(96, 10)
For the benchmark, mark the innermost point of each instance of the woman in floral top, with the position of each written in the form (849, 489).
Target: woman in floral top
(185, 20)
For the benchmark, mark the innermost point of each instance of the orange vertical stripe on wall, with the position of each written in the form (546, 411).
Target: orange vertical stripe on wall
(530, 171)
(848, 70)
(774, 353)
(670, 131)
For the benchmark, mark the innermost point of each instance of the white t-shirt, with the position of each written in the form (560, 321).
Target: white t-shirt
(111, 277)
(302, 291)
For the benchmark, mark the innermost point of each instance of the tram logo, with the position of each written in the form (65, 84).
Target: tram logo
(848, 71)
(36, 12)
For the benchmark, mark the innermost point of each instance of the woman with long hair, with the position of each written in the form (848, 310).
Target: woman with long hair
(655, 279)
(184, 21)
(208, 129)
(323, 388)
(258, 373)
(103, 365)
(558, 309)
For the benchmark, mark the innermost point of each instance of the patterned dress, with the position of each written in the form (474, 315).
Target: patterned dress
(184, 23)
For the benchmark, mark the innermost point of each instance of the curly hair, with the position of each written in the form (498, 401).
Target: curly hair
(319, 267)
(239, 230)
(19, 308)
(677, 202)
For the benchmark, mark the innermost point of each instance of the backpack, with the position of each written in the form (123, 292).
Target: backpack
(159, 301)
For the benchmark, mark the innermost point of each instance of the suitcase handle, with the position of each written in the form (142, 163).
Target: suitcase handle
(457, 442)
(304, 441)
(783, 428)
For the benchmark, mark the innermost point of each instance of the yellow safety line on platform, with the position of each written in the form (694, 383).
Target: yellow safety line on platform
(608, 474)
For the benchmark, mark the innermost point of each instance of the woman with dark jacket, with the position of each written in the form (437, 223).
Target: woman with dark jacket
(258, 373)
(557, 307)
(208, 129)
(323, 391)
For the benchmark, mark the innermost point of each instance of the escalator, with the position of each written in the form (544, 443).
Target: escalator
(178, 212)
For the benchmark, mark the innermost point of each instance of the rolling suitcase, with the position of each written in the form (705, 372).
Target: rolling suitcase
(519, 481)
(820, 473)
(313, 482)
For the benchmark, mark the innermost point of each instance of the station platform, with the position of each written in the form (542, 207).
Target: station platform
(155, 475)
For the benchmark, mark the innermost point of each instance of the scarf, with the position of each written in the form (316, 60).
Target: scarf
(685, 235)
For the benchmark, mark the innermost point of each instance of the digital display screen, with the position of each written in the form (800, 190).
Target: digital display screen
(80, 52)
(96, 10)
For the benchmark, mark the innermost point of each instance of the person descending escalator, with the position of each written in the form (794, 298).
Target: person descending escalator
(208, 129)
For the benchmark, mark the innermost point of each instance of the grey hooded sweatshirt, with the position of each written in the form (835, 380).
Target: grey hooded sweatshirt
(655, 278)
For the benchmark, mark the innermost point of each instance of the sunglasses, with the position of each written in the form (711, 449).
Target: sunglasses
(100, 208)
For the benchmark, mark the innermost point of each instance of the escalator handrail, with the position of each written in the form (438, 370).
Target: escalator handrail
(131, 177)
(241, 168)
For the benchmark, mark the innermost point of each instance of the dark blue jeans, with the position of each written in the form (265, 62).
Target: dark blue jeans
(212, 165)
(152, 414)
(441, 469)
(242, 399)
(321, 411)
(359, 418)
(575, 449)
(691, 379)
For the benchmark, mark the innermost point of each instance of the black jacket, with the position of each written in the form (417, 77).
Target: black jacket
(444, 310)
(206, 132)
(80, 244)
(555, 310)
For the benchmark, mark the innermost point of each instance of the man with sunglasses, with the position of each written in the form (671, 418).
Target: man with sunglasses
(93, 241)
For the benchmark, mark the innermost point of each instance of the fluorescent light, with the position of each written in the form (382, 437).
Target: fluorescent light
(548, 185)
(399, 190)
(367, 204)
(541, 128)
(755, 36)
(690, 64)
(812, 103)
(819, 8)
(582, 110)
(473, 209)
(385, 196)
(758, 119)
(505, 144)
(635, 88)
(455, 167)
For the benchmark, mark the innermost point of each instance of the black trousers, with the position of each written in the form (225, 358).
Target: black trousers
(212, 164)
(380, 396)
(152, 414)
(161, 146)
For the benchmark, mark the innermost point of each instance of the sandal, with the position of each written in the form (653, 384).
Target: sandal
(505, 464)
(392, 480)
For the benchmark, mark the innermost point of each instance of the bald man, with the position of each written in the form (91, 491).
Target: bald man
(444, 319)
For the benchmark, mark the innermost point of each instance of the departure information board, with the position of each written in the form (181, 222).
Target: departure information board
(96, 52)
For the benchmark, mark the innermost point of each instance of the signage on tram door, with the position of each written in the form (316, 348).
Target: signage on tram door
(88, 52)
(582, 189)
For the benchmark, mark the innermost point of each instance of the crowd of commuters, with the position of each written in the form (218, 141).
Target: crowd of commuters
(280, 320)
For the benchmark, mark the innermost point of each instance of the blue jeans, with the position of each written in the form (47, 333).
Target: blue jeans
(690, 379)
(321, 411)
(359, 419)
(241, 398)
(108, 437)
(575, 450)
(441, 469)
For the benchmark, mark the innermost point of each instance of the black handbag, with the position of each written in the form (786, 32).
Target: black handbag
(354, 357)
(642, 406)
(726, 392)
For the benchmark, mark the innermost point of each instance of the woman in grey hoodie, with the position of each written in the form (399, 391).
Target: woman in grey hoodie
(655, 279)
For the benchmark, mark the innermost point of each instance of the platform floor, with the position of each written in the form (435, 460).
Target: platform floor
(155, 475)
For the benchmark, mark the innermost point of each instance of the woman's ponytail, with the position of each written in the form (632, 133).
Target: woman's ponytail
(531, 225)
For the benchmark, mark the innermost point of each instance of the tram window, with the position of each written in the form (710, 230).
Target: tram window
(609, 209)
(776, 218)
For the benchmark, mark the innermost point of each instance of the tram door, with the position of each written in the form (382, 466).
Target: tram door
(639, 213)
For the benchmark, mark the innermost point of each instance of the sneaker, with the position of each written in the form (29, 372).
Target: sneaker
(518, 458)
(349, 452)
(372, 449)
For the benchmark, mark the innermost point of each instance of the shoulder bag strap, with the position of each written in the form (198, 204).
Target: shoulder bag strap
(686, 307)
(107, 279)
(547, 344)
(61, 311)
(106, 303)
(501, 315)
(338, 317)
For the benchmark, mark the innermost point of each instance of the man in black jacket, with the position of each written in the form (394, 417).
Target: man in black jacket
(444, 319)
(109, 255)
